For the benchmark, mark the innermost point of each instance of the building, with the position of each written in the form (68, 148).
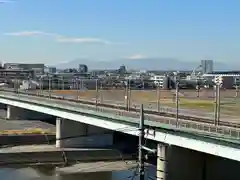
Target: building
(37, 68)
(122, 70)
(230, 78)
(158, 80)
(28, 84)
(237, 81)
(16, 74)
(82, 68)
(51, 70)
(207, 66)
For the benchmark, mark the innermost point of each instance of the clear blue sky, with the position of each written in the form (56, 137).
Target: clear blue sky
(53, 31)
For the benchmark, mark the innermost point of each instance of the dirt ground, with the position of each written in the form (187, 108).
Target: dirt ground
(188, 98)
(230, 104)
(117, 95)
(146, 95)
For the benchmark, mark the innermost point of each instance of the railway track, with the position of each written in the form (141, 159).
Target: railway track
(131, 109)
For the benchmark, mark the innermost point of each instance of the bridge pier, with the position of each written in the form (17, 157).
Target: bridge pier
(75, 134)
(161, 162)
(9, 113)
(21, 113)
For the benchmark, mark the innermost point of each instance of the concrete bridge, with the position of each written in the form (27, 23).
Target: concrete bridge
(188, 150)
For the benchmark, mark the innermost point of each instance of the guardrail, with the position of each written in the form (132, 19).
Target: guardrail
(133, 113)
(134, 109)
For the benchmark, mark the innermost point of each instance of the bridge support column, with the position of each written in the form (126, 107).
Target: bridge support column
(161, 162)
(9, 112)
(59, 131)
(75, 134)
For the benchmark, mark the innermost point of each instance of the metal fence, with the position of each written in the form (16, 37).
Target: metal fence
(199, 102)
(183, 124)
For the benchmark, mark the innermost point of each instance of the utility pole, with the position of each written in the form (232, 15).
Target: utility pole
(198, 85)
(218, 81)
(141, 140)
(236, 91)
(219, 105)
(177, 102)
(96, 101)
(41, 85)
(216, 104)
(49, 86)
(129, 95)
(141, 147)
(62, 83)
(17, 85)
(126, 94)
(14, 84)
(101, 94)
(158, 98)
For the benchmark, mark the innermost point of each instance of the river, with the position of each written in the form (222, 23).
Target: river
(46, 173)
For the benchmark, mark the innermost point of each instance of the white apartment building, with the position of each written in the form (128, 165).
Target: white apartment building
(158, 80)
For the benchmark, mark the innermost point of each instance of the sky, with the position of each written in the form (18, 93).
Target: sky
(55, 31)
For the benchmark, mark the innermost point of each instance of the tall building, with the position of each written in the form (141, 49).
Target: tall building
(82, 68)
(207, 66)
(122, 70)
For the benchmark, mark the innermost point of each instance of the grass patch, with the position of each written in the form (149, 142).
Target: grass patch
(227, 108)
(192, 104)
(203, 104)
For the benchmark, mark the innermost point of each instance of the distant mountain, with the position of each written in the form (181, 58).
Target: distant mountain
(142, 64)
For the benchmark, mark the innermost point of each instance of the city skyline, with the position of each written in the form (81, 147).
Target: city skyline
(54, 32)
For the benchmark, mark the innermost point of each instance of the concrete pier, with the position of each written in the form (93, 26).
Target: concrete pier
(161, 162)
(74, 134)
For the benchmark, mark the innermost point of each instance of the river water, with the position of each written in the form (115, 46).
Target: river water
(46, 173)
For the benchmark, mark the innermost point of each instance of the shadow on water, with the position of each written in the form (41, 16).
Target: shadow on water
(48, 173)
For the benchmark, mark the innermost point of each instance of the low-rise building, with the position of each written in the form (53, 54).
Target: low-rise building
(158, 80)
(9, 74)
(37, 68)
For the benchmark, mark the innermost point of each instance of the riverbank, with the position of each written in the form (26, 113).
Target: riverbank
(49, 154)
(26, 132)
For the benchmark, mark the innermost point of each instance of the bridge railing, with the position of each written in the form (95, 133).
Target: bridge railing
(186, 124)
